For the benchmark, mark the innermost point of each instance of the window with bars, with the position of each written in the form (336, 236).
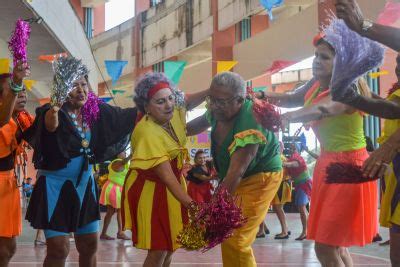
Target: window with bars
(245, 29)
(158, 67)
(88, 22)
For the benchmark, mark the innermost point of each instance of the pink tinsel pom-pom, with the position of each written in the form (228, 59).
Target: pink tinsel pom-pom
(265, 113)
(346, 173)
(211, 223)
(222, 216)
(91, 110)
(19, 41)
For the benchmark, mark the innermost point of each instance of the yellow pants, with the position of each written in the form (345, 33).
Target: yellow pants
(255, 194)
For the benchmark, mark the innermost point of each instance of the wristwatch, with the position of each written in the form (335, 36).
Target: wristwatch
(366, 25)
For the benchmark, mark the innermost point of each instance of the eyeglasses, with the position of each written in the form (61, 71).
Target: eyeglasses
(220, 103)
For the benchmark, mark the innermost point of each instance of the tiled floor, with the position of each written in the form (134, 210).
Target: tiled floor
(268, 252)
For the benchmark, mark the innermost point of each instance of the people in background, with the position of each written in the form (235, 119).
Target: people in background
(199, 177)
(111, 195)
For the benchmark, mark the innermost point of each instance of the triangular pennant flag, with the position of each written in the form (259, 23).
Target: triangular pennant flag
(225, 65)
(51, 58)
(43, 101)
(174, 70)
(279, 65)
(114, 69)
(115, 91)
(29, 83)
(390, 14)
(375, 75)
(259, 89)
(269, 4)
(4, 65)
(106, 99)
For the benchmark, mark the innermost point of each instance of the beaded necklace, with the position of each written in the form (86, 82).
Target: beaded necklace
(83, 133)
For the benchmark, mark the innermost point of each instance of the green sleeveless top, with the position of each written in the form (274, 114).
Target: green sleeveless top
(338, 133)
(117, 177)
(246, 131)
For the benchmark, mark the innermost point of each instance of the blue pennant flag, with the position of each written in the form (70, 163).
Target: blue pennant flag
(114, 69)
(106, 99)
(269, 4)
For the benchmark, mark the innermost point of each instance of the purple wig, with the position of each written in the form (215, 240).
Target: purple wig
(355, 55)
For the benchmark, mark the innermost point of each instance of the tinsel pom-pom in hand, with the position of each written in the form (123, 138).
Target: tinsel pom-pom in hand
(222, 216)
(266, 114)
(346, 173)
(191, 237)
(19, 41)
(91, 110)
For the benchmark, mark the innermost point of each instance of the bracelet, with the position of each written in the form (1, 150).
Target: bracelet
(15, 87)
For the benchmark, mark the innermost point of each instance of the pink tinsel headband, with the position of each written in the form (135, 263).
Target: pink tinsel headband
(159, 86)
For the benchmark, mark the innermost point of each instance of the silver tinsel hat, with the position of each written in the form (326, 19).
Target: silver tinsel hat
(67, 70)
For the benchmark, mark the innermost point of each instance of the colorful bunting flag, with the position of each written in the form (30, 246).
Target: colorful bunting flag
(29, 83)
(106, 99)
(4, 65)
(269, 4)
(375, 75)
(43, 101)
(225, 65)
(115, 91)
(202, 138)
(259, 89)
(390, 14)
(51, 58)
(174, 70)
(114, 69)
(279, 65)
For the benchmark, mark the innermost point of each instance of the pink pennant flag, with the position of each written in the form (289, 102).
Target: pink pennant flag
(202, 138)
(390, 14)
(279, 65)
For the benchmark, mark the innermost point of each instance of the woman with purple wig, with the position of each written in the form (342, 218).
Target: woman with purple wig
(155, 202)
(342, 215)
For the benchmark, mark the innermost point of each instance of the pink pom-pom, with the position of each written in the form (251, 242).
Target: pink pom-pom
(221, 217)
(19, 41)
(346, 173)
(91, 110)
(265, 113)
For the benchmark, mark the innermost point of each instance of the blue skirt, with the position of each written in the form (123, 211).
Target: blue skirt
(59, 203)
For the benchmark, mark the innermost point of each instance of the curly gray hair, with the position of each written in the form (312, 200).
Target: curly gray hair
(145, 83)
(230, 80)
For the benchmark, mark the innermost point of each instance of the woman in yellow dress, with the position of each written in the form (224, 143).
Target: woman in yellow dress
(155, 201)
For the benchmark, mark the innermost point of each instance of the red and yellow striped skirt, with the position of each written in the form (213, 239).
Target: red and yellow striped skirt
(151, 212)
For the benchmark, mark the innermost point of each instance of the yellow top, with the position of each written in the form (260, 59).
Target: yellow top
(390, 126)
(152, 145)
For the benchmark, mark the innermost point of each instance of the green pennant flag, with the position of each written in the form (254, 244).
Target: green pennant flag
(115, 91)
(174, 70)
(259, 89)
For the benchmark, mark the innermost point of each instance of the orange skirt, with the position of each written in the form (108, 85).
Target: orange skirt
(342, 215)
(10, 203)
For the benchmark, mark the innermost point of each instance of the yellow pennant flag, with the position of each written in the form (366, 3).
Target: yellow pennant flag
(29, 83)
(4, 65)
(225, 65)
(375, 75)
